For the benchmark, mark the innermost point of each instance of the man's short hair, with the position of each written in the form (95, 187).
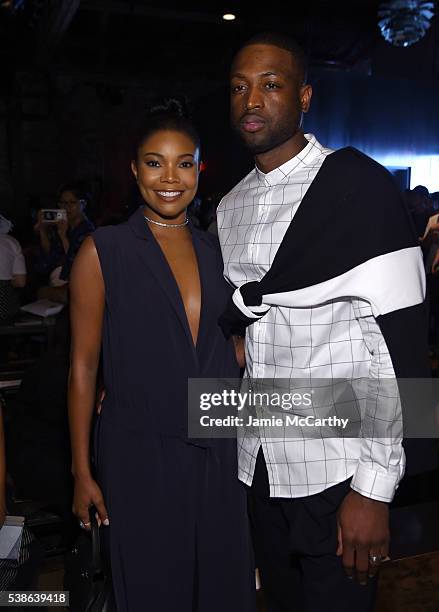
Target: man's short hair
(283, 41)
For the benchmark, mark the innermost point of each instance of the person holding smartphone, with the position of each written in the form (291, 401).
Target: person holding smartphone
(61, 238)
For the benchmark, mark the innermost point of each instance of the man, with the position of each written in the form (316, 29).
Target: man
(306, 228)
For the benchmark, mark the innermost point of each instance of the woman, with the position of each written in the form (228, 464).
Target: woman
(60, 241)
(12, 271)
(152, 290)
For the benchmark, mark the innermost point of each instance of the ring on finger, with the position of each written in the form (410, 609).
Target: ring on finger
(375, 559)
(84, 525)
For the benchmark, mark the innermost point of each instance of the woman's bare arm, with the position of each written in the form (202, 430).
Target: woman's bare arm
(87, 300)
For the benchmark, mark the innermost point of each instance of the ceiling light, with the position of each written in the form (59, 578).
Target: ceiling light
(404, 22)
(229, 17)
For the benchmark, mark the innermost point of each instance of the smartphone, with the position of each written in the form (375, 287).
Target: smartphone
(53, 215)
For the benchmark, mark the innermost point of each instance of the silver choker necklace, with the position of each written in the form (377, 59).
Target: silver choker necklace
(175, 225)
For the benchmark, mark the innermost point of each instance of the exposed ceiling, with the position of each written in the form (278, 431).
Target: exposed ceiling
(74, 72)
(135, 37)
(124, 40)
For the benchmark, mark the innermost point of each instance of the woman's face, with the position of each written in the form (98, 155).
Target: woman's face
(73, 207)
(166, 171)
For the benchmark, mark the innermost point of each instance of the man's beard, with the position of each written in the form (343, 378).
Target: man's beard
(271, 140)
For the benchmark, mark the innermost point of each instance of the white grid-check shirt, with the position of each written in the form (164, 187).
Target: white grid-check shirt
(339, 339)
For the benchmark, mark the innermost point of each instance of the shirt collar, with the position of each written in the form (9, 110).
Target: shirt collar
(306, 156)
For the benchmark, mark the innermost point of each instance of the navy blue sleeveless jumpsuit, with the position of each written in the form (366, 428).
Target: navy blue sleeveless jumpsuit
(178, 534)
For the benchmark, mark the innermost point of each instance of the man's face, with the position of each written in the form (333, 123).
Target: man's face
(267, 97)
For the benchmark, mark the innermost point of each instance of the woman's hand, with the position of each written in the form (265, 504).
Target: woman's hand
(100, 396)
(40, 226)
(238, 341)
(62, 226)
(435, 264)
(87, 493)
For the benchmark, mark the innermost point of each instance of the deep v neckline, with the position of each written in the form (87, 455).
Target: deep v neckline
(195, 344)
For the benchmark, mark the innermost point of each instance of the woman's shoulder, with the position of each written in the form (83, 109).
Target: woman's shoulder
(110, 233)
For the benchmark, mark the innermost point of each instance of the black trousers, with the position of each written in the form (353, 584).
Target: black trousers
(295, 542)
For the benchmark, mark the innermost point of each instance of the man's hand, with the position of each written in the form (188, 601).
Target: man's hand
(363, 532)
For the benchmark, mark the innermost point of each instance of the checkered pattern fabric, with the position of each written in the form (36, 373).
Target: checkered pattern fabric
(336, 339)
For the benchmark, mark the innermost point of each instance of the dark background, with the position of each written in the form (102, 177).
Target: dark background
(75, 75)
